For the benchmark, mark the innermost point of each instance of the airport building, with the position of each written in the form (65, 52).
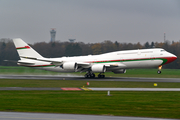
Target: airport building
(72, 40)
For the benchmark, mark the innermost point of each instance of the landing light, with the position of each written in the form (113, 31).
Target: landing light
(160, 67)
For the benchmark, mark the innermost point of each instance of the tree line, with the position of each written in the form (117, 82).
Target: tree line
(60, 49)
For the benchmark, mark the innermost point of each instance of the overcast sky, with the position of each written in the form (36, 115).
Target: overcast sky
(91, 21)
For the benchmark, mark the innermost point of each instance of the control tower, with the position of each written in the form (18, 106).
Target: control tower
(53, 34)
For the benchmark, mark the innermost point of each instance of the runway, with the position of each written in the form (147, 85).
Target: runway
(59, 77)
(49, 116)
(91, 89)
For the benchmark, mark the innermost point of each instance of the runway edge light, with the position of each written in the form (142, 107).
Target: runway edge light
(155, 84)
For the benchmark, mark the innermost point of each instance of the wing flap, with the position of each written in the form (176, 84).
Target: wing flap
(116, 65)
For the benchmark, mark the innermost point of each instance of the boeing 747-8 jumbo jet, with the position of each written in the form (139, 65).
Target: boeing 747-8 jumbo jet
(116, 62)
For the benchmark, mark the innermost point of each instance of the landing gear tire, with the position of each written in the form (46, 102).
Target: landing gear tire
(86, 76)
(101, 76)
(89, 75)
(159, 72)
(93, 75)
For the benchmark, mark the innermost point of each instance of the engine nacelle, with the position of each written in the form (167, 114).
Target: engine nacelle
(70, 66)
(98, 68)
(121, 71)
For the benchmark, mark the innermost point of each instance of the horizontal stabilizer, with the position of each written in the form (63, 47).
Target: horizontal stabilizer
(54, 62)
(26, 63)
(21, 62)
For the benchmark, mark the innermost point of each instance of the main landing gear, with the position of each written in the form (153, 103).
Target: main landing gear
(159, 69)
(89, 75)
(101, 75)
(92, 75)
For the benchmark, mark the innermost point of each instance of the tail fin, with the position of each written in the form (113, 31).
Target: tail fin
(24, 49)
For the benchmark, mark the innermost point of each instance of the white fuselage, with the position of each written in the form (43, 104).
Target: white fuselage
(144, 58)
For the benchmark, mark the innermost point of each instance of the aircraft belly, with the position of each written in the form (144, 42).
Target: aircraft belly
(143, 64)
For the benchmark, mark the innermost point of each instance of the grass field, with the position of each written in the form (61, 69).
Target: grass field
(122, 103)
(143, 104)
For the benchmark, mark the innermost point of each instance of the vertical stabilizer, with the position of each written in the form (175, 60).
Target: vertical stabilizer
(24, 49)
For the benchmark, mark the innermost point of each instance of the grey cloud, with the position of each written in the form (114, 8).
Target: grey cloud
(90, 20)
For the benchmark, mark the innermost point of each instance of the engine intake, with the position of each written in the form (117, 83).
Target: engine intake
(98, 68)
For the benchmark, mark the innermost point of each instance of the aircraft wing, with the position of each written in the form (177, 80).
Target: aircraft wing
(80, 64)
(57, 63)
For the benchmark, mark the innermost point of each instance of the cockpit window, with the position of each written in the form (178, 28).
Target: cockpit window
(162, 50)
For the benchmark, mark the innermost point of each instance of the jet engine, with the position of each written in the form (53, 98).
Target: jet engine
(121, 71)
(70, 66)
(98, 68)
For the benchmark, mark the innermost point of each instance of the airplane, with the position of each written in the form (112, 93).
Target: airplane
(116, 62)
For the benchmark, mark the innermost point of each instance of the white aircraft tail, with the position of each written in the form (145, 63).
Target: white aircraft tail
(24, 50)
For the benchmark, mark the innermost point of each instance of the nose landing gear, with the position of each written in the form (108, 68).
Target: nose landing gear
(159, 69)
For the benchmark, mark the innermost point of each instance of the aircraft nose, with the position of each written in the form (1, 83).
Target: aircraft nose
(174, 57)
(171, 59)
